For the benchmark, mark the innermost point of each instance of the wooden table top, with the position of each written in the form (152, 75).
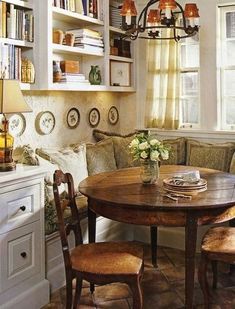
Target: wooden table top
(124, 188)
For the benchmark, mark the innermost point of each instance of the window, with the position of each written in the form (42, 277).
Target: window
(226, 66)
(189, 82)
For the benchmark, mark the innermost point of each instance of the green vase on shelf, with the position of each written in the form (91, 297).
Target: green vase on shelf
(95, 75)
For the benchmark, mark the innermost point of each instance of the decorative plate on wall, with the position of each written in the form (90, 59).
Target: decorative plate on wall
(17, 124)
(73, 118)
(45, 122)
(113, 115)
(94, 117)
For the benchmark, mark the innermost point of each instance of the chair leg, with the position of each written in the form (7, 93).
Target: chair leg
(153, 233)
(215, 273)
(92, 288)
(202, 278)
(137, 294)
(69, 292)
(77, 292)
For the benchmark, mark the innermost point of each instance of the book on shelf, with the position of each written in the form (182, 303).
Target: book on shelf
(16, 23)
(90, 41)
(85, 32)
(73, 77)
(10, 61)
(90, 48)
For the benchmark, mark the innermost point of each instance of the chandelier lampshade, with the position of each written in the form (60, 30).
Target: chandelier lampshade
(158, 15)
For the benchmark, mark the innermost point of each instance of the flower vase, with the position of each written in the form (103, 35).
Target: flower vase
(149, 171)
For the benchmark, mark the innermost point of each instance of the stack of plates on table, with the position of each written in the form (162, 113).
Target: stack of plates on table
(185, 186)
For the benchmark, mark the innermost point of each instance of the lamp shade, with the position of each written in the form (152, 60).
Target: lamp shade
(191, 10)
(154, 16)
(128, 8)
(11, 98)
(167, 4)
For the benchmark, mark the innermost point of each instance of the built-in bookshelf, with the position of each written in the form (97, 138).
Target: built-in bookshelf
(78, 34)
(16, 38)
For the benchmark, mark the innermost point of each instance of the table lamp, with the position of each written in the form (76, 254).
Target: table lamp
(11, 102)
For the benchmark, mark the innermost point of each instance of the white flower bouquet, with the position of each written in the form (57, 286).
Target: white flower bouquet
(147, 147)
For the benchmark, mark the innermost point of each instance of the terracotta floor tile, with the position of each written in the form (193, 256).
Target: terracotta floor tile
(174, 273)
(164, 300)
(111, 292)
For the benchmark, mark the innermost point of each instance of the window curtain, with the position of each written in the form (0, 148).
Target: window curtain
(162, 98)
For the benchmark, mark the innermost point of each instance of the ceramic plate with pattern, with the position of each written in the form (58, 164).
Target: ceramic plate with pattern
(45, 122)
(94, 117)
(113, 115)
(17, 124)
(73, 118)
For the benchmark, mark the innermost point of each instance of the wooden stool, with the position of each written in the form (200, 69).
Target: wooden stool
(218, 244)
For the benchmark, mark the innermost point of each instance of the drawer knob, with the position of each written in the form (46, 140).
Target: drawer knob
(23, 254)
(23, 208)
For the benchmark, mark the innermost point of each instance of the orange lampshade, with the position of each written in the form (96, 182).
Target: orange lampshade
(128, 8)
(167, 4)
(191, 10)
(154, 16)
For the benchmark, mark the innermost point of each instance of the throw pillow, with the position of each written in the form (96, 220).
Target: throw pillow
(215, 156)
(25, 155)
(121, 150)
(177, 151)
(232, 165)
(100, 157)
(68, 161)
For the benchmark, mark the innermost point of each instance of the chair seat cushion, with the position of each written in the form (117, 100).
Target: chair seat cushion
(109, 258)
(219, 240)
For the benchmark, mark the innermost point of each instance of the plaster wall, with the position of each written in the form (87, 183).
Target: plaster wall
(59, 103)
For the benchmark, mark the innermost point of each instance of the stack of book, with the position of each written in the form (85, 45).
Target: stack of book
(16, 23)
(89, 40)
(73, 78)
(115, 17)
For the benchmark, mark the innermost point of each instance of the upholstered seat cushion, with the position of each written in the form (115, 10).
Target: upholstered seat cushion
(108, 258)
(220, 240)
(216, 156)
(122, 153)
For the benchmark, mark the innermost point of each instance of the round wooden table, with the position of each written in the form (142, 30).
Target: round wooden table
(120, 196)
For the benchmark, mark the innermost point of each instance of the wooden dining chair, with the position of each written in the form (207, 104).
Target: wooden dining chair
(218, 244)
(98, 263)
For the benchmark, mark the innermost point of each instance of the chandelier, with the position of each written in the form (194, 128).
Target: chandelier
(158, 15)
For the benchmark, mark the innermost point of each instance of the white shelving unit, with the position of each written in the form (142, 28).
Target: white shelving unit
(50, 18)
(27, 48)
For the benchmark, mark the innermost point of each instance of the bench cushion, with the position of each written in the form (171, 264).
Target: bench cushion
(120, 143)
(100, 157)
(215, 156)
(177, 151)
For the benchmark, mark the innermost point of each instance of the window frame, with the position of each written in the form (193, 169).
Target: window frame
(222, 68)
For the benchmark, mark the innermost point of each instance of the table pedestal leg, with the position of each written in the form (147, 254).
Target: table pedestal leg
(153, 232)
(232, 266)
(190, 252)
(91, 224)
(91, 234)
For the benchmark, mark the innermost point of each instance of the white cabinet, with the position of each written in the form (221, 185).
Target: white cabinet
(22, 246)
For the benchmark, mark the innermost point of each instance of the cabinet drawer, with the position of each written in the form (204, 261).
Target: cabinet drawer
(20, 255)
(19, 207)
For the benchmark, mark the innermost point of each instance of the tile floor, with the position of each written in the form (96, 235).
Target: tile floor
(163, 287)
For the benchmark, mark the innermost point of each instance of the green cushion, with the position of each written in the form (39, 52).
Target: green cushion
(121, 150)
(177, 151)
(100, 157)
(215, 156)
